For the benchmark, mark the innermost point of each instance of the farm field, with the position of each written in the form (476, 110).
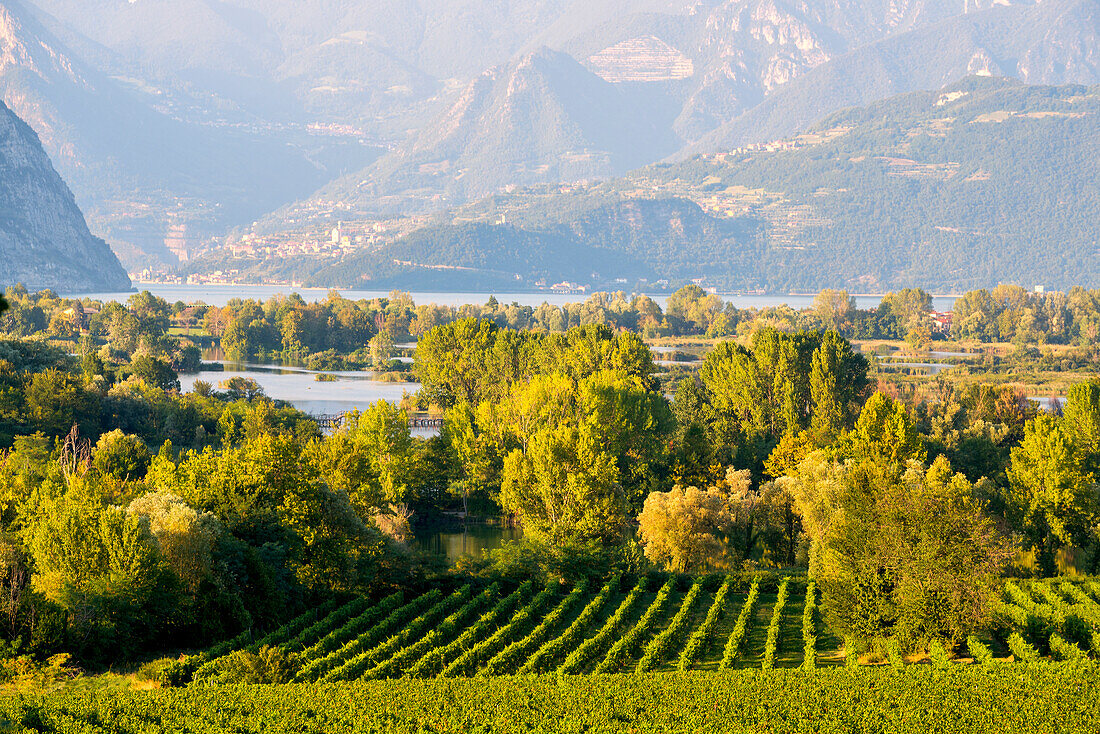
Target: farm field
(1043, 697)
(653, 623)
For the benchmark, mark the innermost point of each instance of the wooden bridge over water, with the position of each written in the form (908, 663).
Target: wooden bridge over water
(332, 422)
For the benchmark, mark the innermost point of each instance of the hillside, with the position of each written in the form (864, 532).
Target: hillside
(542, 118)
(144, 176)
(44, 240)
(628, 242)
(705, 78)
(269, 105)
(1054, 42)
(982, 182)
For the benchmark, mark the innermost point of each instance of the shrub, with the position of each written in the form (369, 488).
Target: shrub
(266, 665)
(154, 670)
(1021, 648)
(982, 654)
(937, 653)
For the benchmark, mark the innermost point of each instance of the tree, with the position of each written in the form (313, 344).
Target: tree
(1081, 423)
(815, 487)
(1050, 496)
(974, 316)
(241, 388)
(333, 548)
(57, 400)
(152, 312)
(381, 351)
(910, 556)
(291, 331)
(835, 310)
(121, 456)
(785, 382)
(908, 308)
(65, 325)
(185, 537)
(452, 361)
(565, 486)
(156, 372)
(102, 567)
(24, 469)
(370, 458)
(474, 454)
(684, 529)
(585, 350)
(838, 386)
(884, 432)
(744, 502)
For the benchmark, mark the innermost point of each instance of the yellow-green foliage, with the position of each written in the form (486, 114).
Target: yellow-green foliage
(971, 699)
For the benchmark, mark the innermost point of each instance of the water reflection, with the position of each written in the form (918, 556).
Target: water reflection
(471, 539)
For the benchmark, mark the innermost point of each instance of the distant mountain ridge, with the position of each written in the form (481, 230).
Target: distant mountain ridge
(138, 172)
(717, 75)
(984, 181)
(44, 240)
(477, 97)
(544, 117)
(1053, 42)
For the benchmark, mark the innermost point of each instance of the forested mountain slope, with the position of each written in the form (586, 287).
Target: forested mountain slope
(257, 103)
(543, 118)
(706, 78)
(982, 182)
(1054, 42)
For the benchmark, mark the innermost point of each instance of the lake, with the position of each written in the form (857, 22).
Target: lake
(300, 387)
(471, 539)
(219, 295)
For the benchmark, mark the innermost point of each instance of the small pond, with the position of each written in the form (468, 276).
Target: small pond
(470, 539)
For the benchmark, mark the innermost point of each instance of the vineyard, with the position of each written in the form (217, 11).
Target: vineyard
(647, 624)
(1045, 697)
(650, 654)
(652, 623)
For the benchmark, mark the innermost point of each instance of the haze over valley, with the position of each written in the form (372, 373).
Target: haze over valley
(419, 143)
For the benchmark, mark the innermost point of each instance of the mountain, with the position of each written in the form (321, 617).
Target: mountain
(148, 179)
(1053, 42)
(543, 117)
(288, 103)
(44, 240)
(984, 181)
(348, 60)
(607, 242)
(702, 76)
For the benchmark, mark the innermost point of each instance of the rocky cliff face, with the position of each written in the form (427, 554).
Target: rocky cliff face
(44, 240)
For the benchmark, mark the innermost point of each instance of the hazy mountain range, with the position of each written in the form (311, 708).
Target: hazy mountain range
(175, 119)
(980, 182)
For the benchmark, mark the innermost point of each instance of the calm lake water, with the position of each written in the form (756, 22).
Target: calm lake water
(467, 540)
(300, 387)
(219, 295)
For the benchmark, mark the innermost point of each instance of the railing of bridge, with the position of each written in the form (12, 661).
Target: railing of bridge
(330, 422)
